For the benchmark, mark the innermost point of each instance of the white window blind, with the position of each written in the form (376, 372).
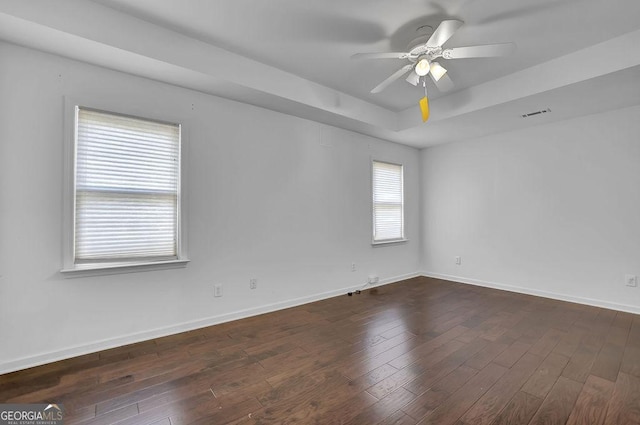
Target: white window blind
(388, 202)
(127, 179)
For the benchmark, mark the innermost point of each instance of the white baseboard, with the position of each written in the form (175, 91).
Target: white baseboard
(536, 292)
(106, 344)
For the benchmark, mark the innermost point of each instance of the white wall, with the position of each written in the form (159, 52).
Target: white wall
(552, 210)
(272, 197)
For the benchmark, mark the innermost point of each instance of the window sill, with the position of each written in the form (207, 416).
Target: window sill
(84, 270)
(389, 242)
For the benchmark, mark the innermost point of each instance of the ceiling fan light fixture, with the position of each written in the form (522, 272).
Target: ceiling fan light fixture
(437, 71)
(422, 67)
(413, 78)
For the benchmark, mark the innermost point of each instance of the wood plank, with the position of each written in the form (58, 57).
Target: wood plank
(414, 370)
(428, 401)
(485, 410)
(580, 364)
(545, 376)
(113, 416)
(398, 418)
(372, 360)
(624, 405)
(608, 361)
(631, 361)
(303, 405)
(519, 410)
(293, 357)
(372, 378)
(591, 406)
(347, 410)
(203, 402)
(288, 388)
(382, 409)
(458, 403)
(441, 369)
(558, 405)
(547, 343)
(486, 355)
(622, 320)
(205, 415)
(426, 348)
(172, 390)
(570, 342)
(512, 354)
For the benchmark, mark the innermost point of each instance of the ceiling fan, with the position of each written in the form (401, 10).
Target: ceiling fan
(422, 54)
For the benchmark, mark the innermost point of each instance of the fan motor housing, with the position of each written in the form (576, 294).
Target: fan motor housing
(418, 48)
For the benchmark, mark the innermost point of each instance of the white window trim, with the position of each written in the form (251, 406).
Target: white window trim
(386, 242)
(69, 267)
(389, 242)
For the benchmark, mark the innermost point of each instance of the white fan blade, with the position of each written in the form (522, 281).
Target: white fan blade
(413, 78)
(444, 84)
(488, 51)
(444, 32)
(399, 73)
(390, 55)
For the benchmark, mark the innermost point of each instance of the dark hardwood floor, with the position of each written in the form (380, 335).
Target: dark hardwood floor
(423, 351)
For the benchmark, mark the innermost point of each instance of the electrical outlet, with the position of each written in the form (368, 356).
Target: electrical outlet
(217, 290)
(253, 283)
(353, 267)
(458, 260)
(631, 280)
(373, 279)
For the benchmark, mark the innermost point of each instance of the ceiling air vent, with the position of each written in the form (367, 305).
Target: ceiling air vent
(533, 114)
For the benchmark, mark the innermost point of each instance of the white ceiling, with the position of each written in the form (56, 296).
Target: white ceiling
(315, 39)
(294, 55)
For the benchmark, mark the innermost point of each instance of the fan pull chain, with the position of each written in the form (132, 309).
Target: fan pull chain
(424, 103)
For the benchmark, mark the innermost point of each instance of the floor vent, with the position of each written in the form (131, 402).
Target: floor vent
(532, 114)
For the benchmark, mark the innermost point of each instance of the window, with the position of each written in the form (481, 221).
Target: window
(126, 191)
(388, 202)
